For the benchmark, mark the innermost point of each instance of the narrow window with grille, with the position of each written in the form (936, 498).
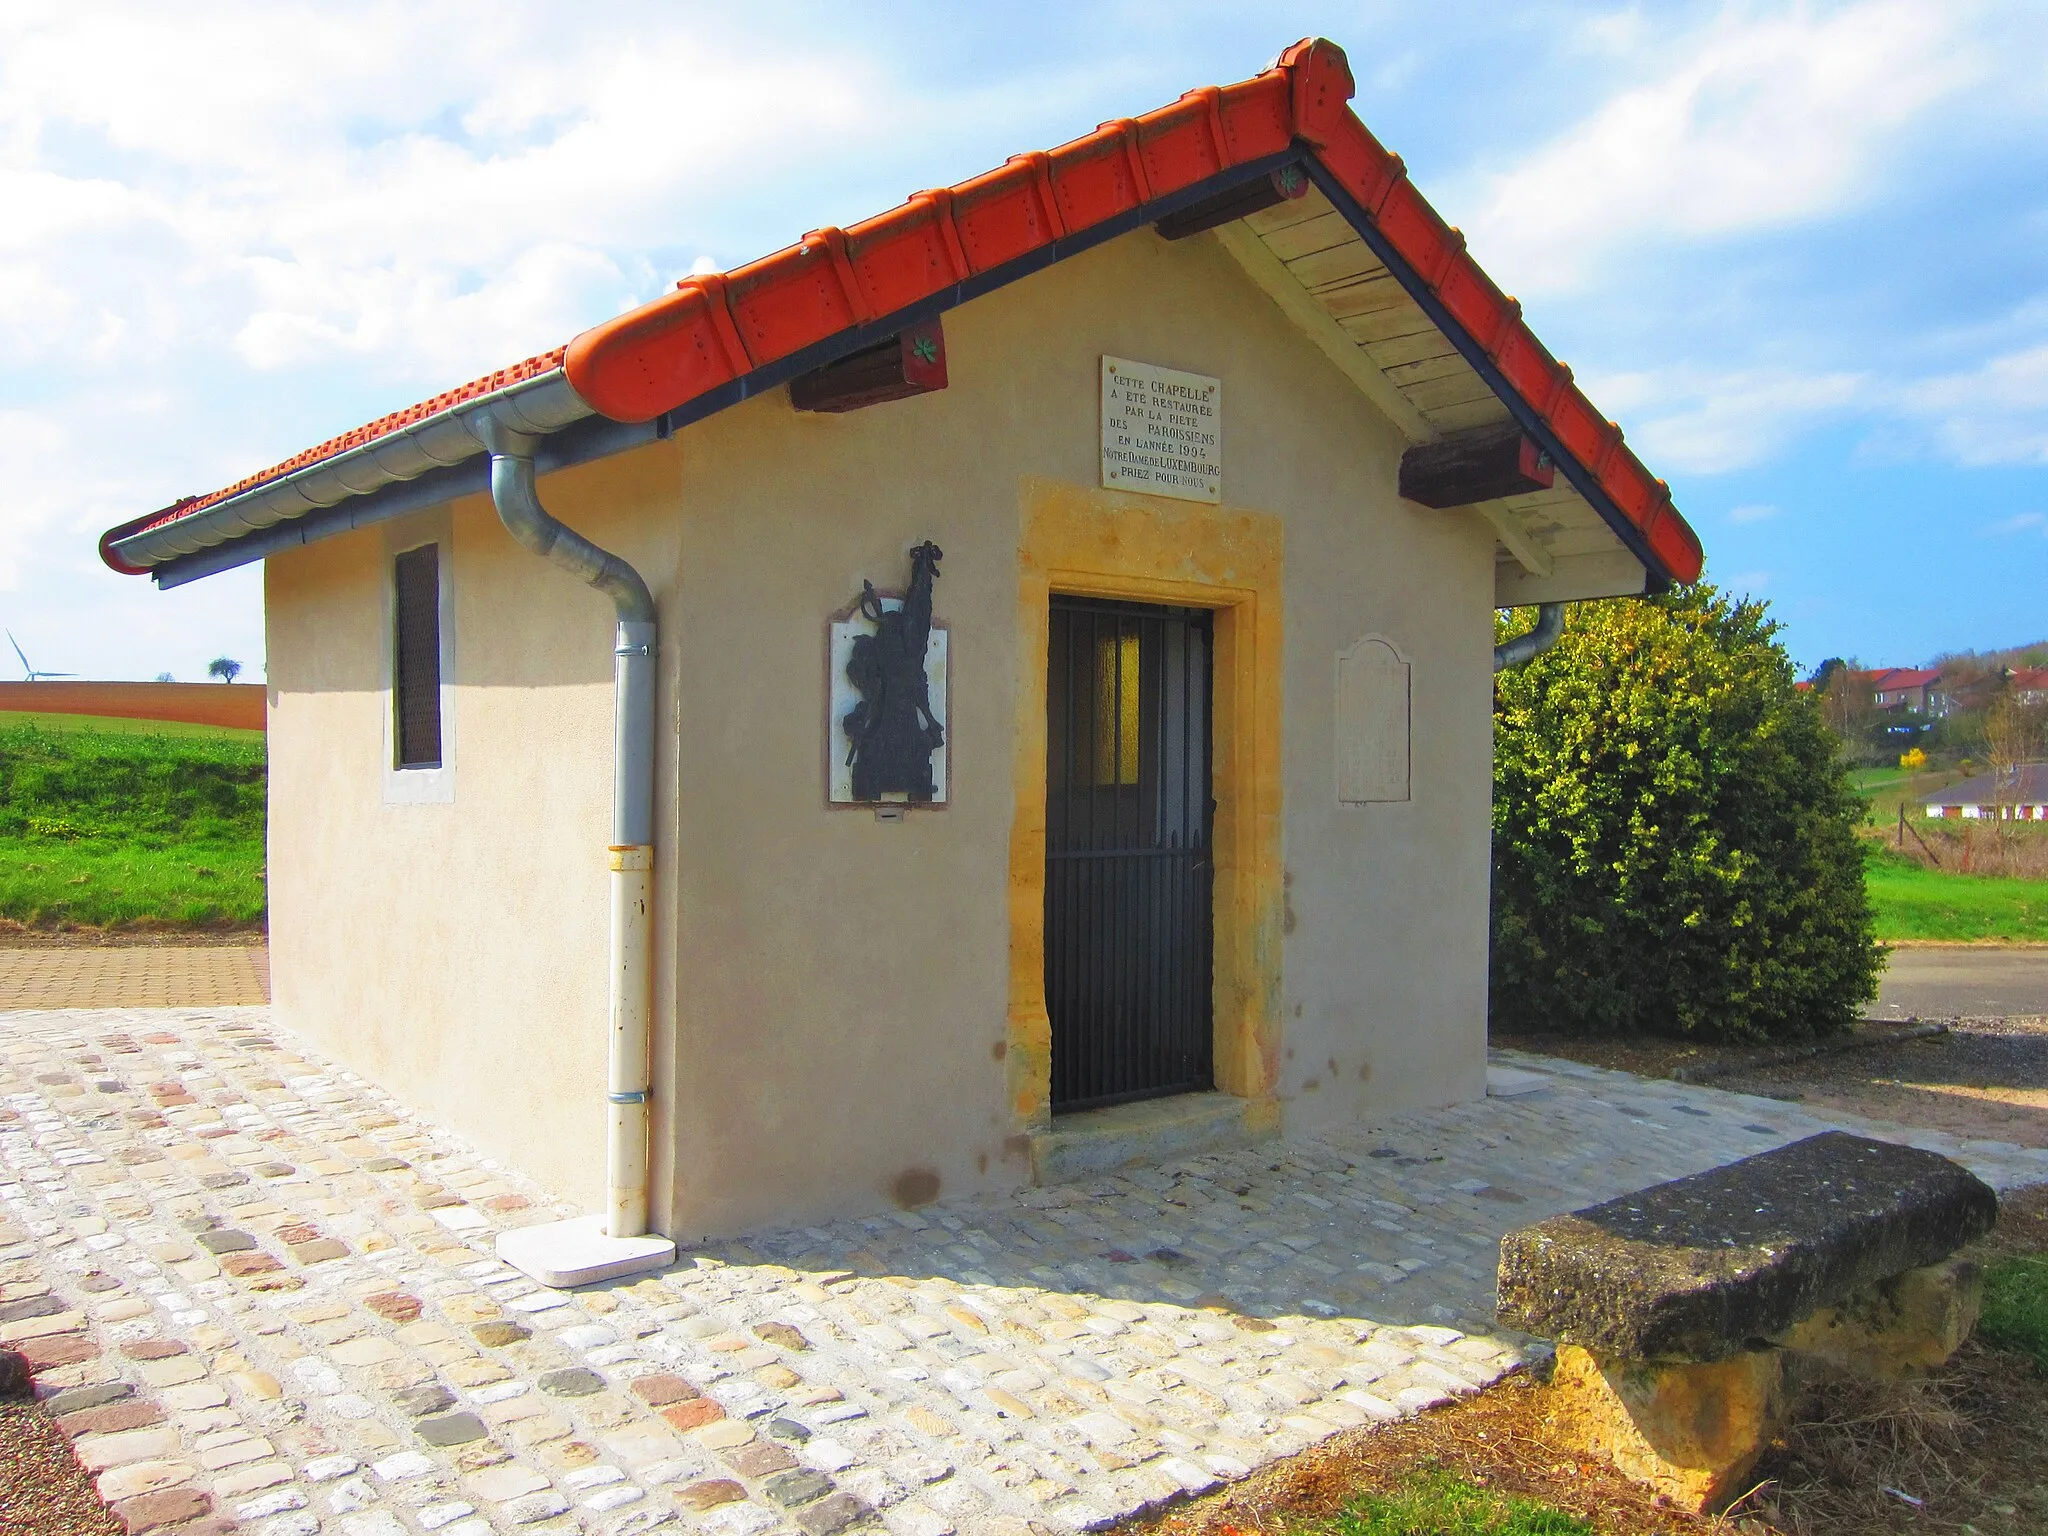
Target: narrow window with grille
(416, 658)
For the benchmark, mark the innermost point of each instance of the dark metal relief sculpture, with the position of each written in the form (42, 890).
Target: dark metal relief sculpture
(891, 733)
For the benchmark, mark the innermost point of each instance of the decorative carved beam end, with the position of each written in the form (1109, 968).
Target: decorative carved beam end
(1481, 465)
(911, 363)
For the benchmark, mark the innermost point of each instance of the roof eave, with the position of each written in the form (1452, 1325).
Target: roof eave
(718, 339)
(541, 405)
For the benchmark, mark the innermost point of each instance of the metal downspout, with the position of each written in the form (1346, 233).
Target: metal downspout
(1549, 627)
(632, 852)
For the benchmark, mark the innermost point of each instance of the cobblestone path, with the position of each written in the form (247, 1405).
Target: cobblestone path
(261, 1293)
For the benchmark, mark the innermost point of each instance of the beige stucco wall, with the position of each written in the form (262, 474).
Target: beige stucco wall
(455, 953)
(842, 982)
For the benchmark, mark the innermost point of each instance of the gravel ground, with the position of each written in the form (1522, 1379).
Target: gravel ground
(1986, 1079)
(43, 1492)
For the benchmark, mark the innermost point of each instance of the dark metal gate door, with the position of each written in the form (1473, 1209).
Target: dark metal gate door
(1127, 866)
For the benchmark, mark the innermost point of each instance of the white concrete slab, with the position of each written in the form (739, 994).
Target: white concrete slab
(1513, 1082)
(566, 1254)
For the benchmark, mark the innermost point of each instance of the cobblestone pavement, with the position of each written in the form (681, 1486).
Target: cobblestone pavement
(133, 976)
(259, 1292)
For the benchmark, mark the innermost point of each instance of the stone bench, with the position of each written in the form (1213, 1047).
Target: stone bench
(1684, 1314)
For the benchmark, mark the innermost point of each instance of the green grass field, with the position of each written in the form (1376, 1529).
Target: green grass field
(1913, 902)
(126, 827)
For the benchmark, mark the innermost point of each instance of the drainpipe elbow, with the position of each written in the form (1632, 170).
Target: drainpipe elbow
(1549, 629)
(517, 498)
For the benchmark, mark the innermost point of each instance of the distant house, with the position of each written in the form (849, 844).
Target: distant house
(2020, 792)
(2029, 684)
(1910, 688)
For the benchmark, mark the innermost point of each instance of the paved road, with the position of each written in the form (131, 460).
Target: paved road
(1936, 983)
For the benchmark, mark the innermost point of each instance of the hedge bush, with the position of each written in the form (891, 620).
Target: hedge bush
(1674, 846)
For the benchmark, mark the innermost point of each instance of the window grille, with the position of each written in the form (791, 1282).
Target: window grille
(416, 658)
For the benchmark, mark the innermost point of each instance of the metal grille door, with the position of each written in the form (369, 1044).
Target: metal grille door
(1128, 874)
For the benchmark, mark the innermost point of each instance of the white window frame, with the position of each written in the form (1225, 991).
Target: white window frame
(419, 786)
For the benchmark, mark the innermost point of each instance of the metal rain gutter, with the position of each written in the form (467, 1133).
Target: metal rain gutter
(536, 406)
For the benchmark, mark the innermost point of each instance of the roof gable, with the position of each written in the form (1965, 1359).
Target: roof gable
(719, 338)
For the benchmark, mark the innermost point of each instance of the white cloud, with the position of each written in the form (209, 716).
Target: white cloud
(2023, 522)
(319, 182)
(232, 228)
(1752, 512)
(1707, 421)
(1995, 413)
(1754, 121)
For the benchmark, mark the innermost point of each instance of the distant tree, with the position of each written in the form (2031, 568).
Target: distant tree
(165, 677)
(1850, 709)
(1824, 674)
(1674, 833)
(2013, 734)
(226, 668)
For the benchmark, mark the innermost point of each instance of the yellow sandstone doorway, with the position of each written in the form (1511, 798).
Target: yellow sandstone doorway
(1218, 566)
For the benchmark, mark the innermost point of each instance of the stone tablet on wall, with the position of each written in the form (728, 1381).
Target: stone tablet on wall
(1372, 722)
(1162, 431)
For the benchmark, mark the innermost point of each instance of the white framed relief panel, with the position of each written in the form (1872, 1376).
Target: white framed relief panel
(1372, 722)
(841, 698)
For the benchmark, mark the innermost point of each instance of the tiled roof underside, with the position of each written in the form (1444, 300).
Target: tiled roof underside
(1327, 257)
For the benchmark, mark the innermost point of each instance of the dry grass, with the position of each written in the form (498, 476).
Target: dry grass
(2015, 850)
(1966, 1449)
(1498, 1441)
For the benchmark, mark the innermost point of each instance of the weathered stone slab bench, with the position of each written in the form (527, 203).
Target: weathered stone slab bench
(1677, 1309)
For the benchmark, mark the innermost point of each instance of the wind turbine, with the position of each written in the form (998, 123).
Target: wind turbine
(31, 675)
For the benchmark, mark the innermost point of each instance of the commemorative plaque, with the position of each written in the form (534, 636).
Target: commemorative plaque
(1162, 431)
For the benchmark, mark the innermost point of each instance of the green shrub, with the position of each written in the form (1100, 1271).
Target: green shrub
(1673, 833)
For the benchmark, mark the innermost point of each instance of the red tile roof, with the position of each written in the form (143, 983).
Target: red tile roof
(1890, 679)
(714, 330)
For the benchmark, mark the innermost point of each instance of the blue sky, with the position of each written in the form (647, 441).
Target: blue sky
(1799, 251)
